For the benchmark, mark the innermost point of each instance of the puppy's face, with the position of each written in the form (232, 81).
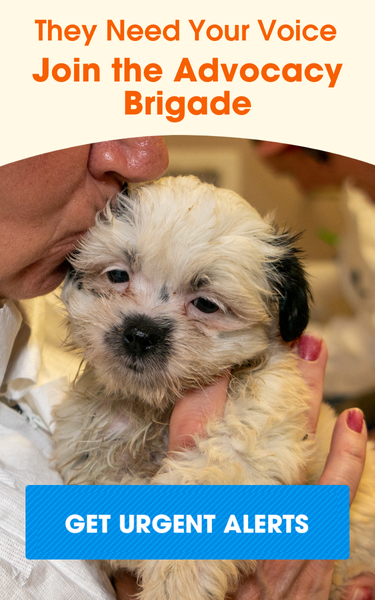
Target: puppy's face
(174, 284)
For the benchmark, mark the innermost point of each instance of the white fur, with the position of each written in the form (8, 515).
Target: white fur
(113, 428)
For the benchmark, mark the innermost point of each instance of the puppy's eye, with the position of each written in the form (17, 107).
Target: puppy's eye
(205, 306)
(118, 276)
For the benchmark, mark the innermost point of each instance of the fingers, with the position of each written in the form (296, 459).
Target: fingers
(126, 586)
(361, 588)
(288, 580)
(346, 459)
(347, 455)
(193, 411)
(313, 355)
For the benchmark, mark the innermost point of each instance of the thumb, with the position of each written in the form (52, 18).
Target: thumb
(194, 410)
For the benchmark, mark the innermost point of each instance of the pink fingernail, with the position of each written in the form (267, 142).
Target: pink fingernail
(354, 421)
(309, 347)
(363, 593)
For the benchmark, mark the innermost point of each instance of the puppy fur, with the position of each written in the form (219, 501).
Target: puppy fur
(176, 283)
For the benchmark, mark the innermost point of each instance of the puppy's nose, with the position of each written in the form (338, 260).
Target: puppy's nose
(142, 337)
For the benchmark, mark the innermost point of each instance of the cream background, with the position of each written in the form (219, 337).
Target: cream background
(39, 117)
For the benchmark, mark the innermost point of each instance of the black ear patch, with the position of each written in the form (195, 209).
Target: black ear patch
(289, 281)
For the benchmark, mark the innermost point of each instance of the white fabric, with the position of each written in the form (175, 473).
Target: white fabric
(25, 448)
(351, 339)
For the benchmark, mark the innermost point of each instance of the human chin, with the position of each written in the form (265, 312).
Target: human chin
(32, 282)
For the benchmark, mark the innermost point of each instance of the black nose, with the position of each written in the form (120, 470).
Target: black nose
(143, 337)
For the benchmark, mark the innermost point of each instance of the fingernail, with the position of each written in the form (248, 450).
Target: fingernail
(354, 421)
(363, 593)
(309, 347)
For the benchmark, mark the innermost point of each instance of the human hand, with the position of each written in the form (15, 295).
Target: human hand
(287, 580)
(311, 579)
(125, 586)
(290, 579)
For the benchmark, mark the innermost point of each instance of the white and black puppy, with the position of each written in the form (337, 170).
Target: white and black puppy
(176, 283)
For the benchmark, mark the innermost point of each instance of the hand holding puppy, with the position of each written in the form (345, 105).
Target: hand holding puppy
(284, 579)
(292, 579)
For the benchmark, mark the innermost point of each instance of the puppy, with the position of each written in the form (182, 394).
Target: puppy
(176, 283)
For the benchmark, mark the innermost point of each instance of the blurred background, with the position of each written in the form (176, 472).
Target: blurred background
(235, 164)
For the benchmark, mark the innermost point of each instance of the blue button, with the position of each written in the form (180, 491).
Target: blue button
(187, 522)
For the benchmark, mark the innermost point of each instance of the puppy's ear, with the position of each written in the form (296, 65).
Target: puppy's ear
(288, 280)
